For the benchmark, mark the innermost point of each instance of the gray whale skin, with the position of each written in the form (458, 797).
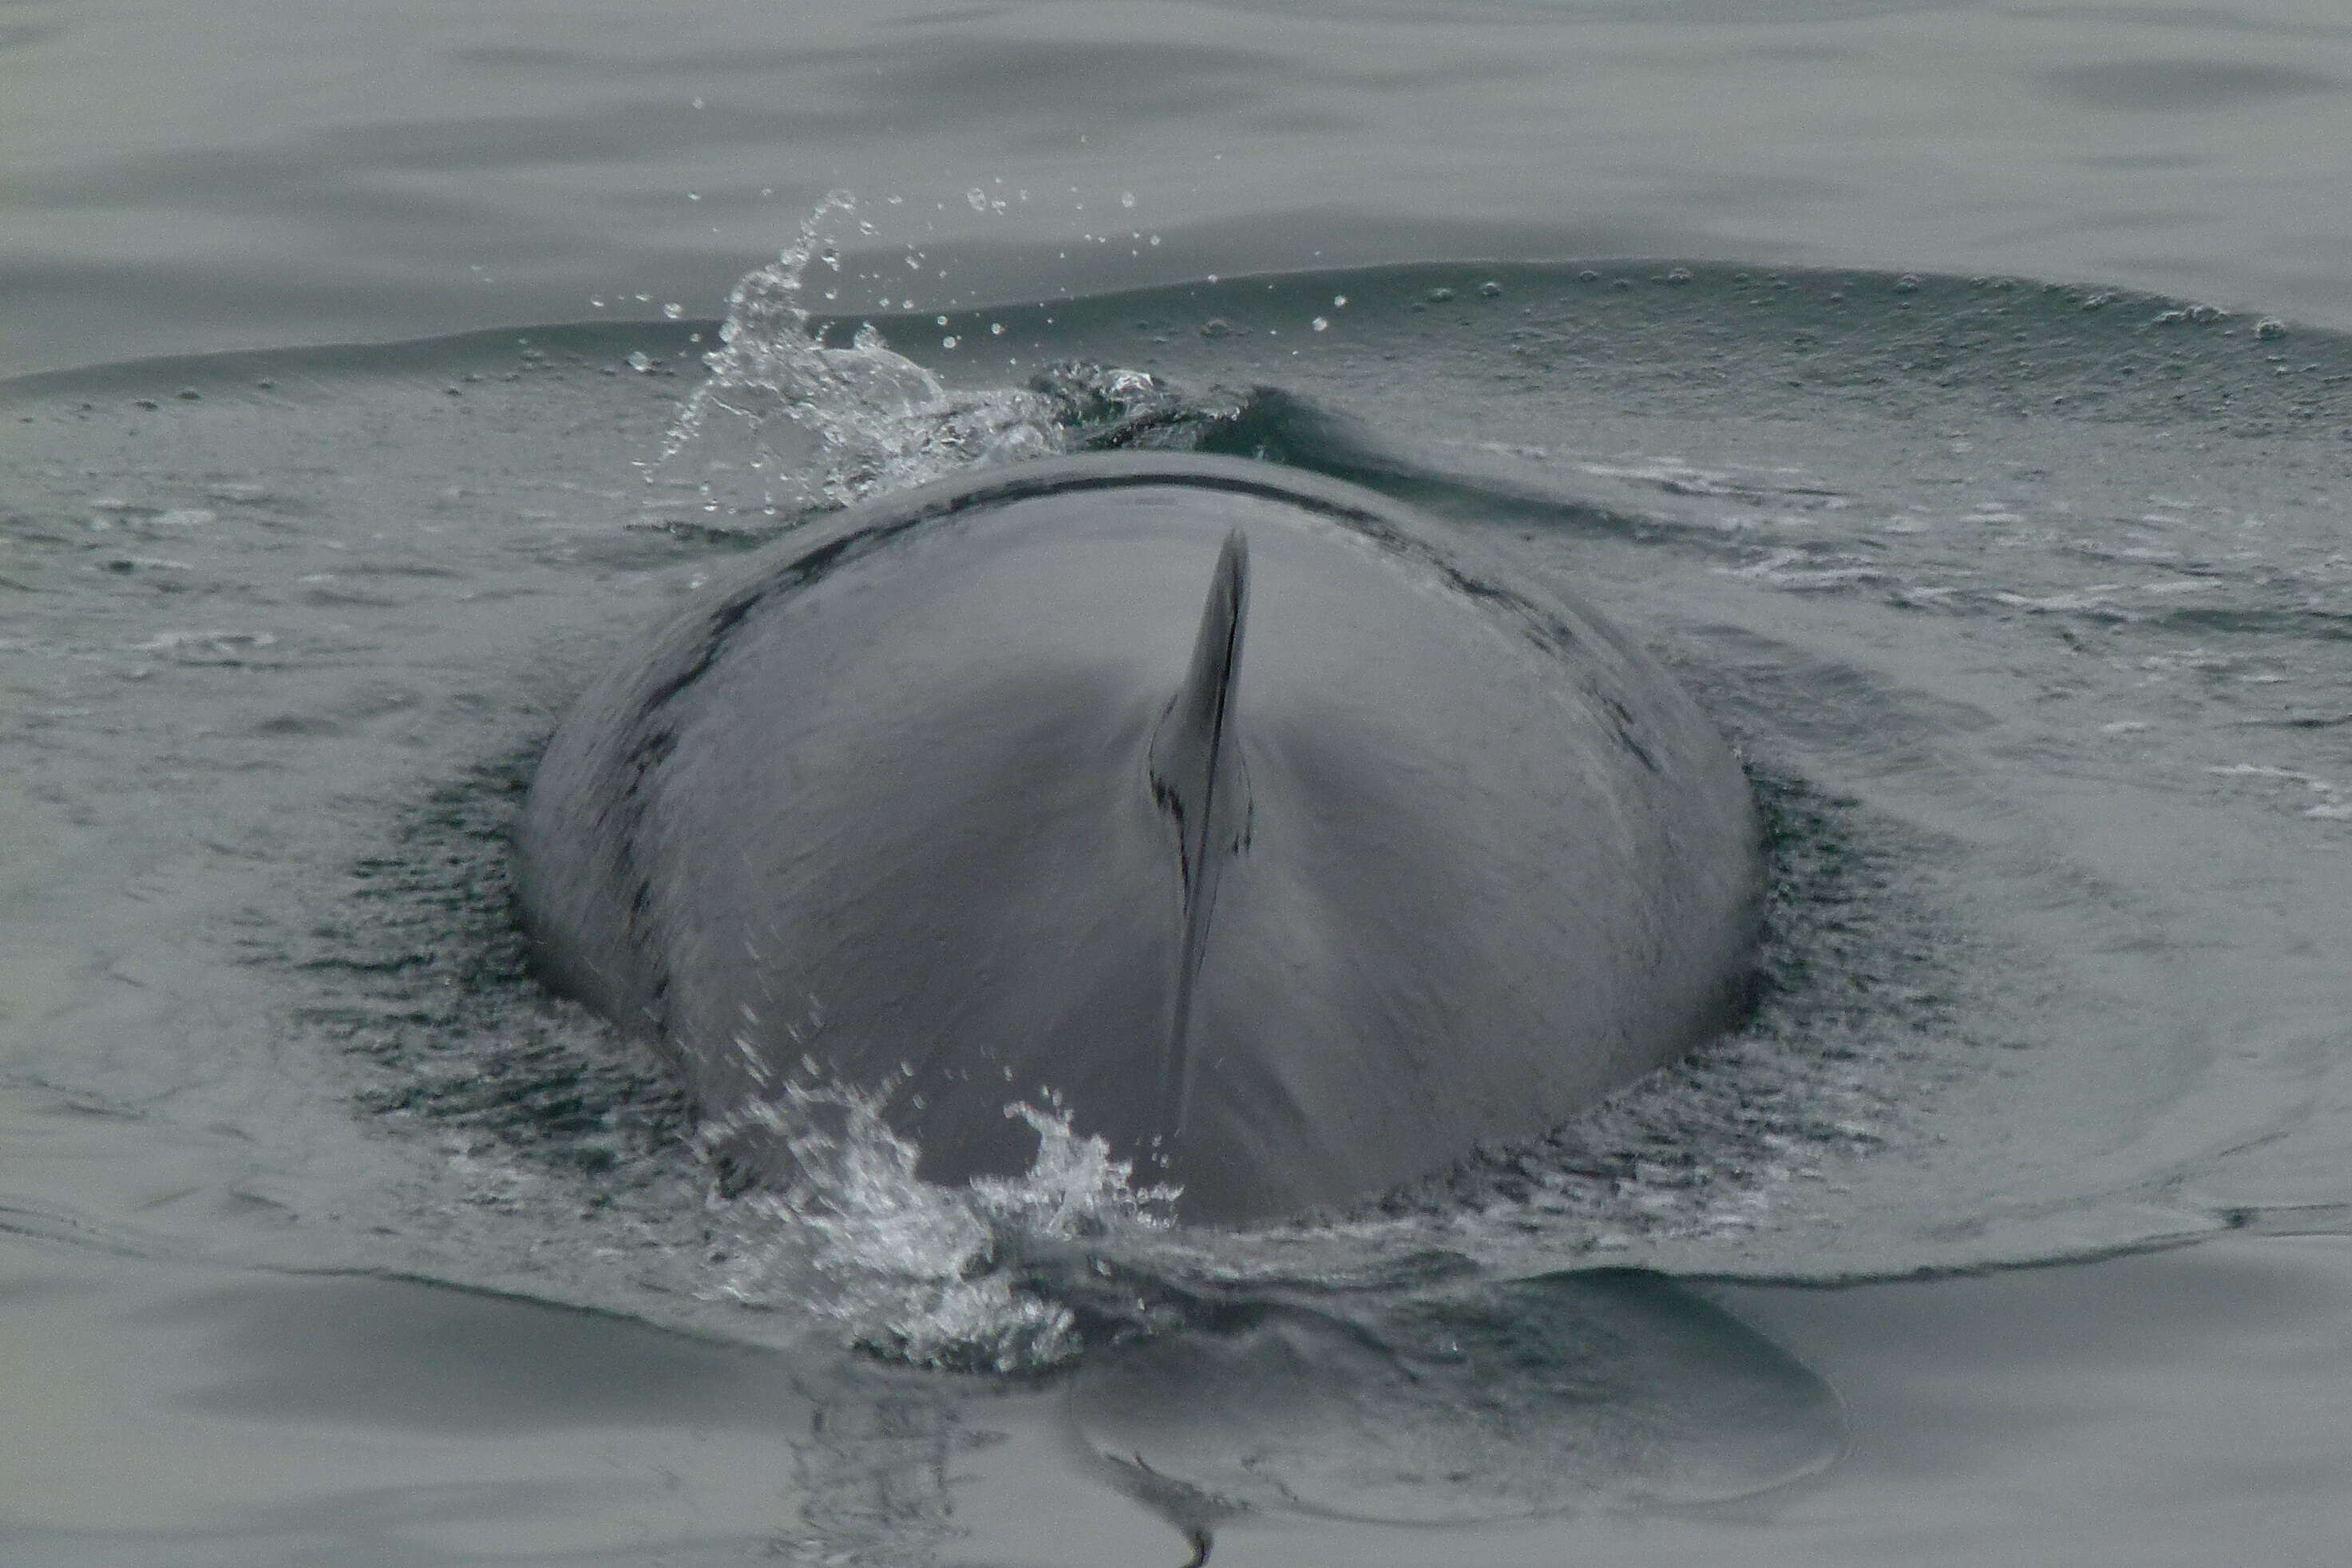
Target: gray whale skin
(1292, 898)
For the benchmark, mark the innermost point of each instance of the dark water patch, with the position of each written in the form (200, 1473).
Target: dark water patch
(2183, 86)
(521, 56)
(425, 976)
(2132, 163)
(2191, 18)
(2325, 625)
(1671, 13)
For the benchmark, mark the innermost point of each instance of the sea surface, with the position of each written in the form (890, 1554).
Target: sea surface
(1957, 396)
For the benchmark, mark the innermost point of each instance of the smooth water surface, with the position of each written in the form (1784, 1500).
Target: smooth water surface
(261, 173)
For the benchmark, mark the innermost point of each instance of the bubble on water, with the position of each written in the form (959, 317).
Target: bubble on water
(2270, 327)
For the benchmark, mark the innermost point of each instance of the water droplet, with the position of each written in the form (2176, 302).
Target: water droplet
(599, 304)
(995, 328)
(1491, 290)
(642, 362)
(1126, 198)
(1338, 301)
(673, 309)
(2270, 327)
(1439, 296)
(977, 198)
(1321, 325)
(697, 103)
(694, 195)
(949, 343)
(941, 321)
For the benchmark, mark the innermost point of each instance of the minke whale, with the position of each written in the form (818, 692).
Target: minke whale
(1258, 821)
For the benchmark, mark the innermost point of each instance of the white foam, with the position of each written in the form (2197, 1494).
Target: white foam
(812, 425)
(912, 1269)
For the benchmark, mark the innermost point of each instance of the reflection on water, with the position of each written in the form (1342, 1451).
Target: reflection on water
(1546, 1396)
(2180, 1407)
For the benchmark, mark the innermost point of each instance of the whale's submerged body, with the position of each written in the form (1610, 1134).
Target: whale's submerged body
(1291, 896)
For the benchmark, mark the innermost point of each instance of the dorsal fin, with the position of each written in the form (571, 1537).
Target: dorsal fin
(1197, 779)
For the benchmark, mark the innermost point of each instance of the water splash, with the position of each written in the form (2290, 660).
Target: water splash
(908, 1269)
(790, 423)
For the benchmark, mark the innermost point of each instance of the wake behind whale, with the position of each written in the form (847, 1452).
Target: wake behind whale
(1291, 898)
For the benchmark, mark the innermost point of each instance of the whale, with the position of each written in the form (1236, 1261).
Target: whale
(1279, 835)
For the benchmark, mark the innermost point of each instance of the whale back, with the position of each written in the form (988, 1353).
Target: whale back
(976, 795)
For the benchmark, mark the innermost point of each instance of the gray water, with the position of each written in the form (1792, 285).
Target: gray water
(1971, 447)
